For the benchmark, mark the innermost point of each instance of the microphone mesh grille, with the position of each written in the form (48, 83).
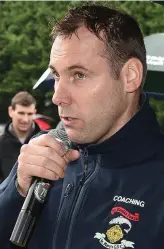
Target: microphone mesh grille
(61, 136)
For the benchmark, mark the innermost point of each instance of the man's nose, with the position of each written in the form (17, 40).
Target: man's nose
(25, 118)
(61, 95)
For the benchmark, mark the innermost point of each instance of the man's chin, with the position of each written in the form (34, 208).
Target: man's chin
(24, 129)
(75, 136)
(72, 134)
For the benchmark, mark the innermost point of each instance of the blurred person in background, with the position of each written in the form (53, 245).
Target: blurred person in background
(18, 131)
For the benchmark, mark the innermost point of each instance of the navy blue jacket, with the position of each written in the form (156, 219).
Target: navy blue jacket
(116, 202)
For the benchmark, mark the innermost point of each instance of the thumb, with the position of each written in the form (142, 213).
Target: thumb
(71, 155)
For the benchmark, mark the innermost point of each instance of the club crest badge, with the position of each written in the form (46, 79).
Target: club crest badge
(119, 226)
(114, 234)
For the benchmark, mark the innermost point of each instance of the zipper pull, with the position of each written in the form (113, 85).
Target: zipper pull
(68, 189)
(85, 155)
(85, 161)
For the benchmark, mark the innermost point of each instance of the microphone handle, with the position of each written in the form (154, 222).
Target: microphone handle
(30, 212)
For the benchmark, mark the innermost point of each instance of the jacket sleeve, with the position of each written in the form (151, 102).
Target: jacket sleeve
(10, 205)
(1, 172)
(1, 169)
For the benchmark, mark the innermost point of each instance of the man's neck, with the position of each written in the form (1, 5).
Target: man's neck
(19, 134)
(22, 135)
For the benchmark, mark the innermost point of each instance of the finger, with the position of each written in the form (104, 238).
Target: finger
(49, 141)
(24, 179)
(47, 152)
(38, 171)
(44, 162)
(32, 148)
(71, 155)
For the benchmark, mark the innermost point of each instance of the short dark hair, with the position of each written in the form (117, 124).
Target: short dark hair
(123, 37)
(22, 98)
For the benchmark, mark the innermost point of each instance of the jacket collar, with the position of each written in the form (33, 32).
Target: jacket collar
(138, 140)
(10, 131)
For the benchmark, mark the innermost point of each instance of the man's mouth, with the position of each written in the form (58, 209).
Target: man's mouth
(24, 124)
(67, 121)
(67, 118)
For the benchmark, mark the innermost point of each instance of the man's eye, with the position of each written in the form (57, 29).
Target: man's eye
(80, 76)
(56, 75)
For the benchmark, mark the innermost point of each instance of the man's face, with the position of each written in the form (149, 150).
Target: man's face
(22, 117)
(91, 103)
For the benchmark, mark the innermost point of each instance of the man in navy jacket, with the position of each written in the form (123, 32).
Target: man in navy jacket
(109, 193)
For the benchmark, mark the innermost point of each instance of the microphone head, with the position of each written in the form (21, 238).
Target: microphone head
(61, 136)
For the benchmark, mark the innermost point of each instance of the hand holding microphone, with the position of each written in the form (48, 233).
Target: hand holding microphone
(42, 161)
(43, 157)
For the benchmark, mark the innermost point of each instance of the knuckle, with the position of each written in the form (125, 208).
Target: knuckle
(20, 157)
(24, 147)
(42, 171)
(43, 138)
(32, 140)
(23, 157)
(56, 177)
(49, 152)
(63, 165)
(46, 137)
(45, 173)
(50, 175)
(44, 162)
(60, 171)
(66, 157)
(36, 140)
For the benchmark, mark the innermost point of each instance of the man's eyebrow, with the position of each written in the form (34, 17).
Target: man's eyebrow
(76, 66)
(21, 112)
(51, 67)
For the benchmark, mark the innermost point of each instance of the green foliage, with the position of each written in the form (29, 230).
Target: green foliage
(25, 42)
(149, 15)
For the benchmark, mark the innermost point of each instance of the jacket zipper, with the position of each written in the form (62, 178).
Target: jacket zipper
(63, 204)
(85, 153)
(77, 201)
(62, 208)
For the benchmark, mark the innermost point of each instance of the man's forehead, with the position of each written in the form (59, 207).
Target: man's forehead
(19, 107)
(76, 49)
(80, 34)
(82, 40)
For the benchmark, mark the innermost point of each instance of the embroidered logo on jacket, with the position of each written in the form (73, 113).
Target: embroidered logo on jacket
(113, 238)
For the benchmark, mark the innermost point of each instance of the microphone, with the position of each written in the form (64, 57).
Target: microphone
(35, 200)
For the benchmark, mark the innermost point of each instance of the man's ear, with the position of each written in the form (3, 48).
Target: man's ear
(132, 74)
(10, 111)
